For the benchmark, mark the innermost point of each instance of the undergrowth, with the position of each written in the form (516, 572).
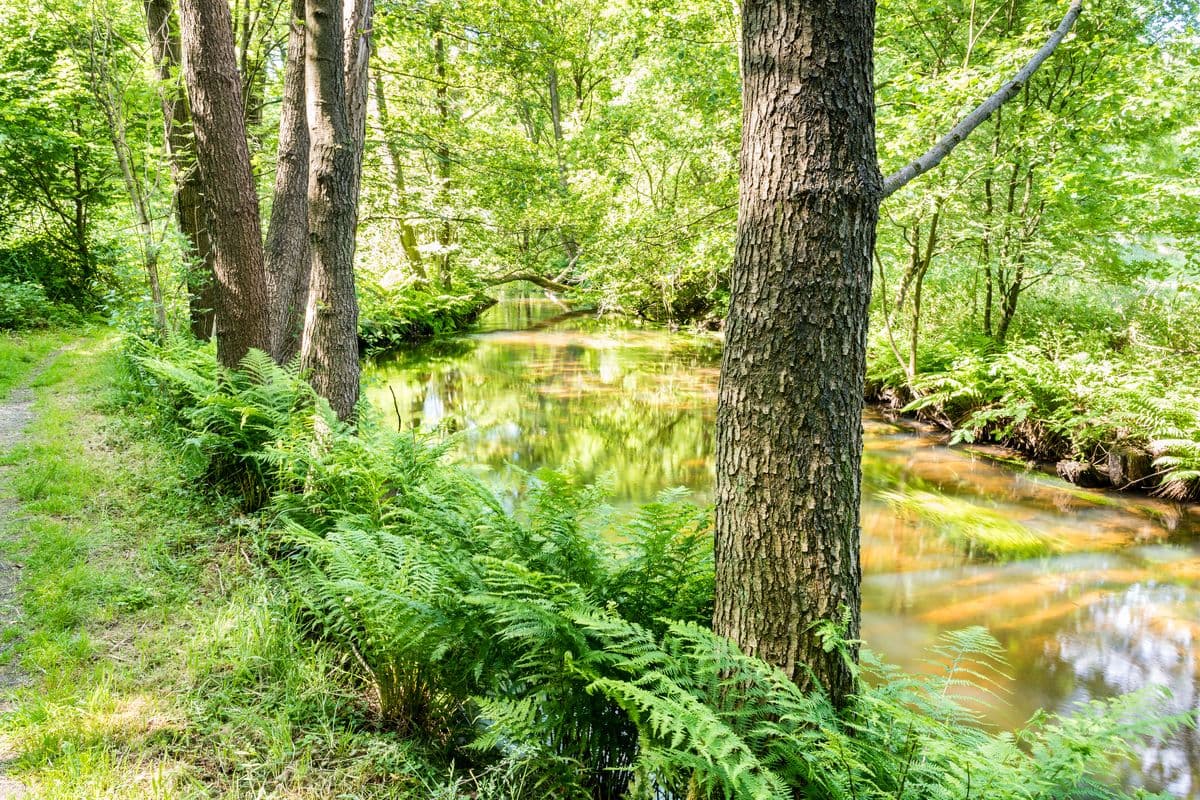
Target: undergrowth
(1062, 388)
(391, 317)
(561, 649)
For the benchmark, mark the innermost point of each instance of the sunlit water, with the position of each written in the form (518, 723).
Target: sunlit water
(1117, 608)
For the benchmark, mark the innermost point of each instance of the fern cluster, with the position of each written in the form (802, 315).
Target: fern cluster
(227, 419)
(390, 317)
(561, 649)
(1064, 401)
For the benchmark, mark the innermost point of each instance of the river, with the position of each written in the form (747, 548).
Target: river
(1092, 595)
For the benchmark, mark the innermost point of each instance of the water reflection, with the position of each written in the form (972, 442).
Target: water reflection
(1113, 606)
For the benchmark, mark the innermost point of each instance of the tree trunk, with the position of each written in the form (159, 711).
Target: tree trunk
(108, 92)
(287, 255)
(570, 246)
(914, 338)
(445, 233)
(789, 426)
(408, 234)
(215, 91)
(329, 347)
(181, 153)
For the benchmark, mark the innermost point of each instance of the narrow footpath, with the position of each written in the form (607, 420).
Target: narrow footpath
(16, 412)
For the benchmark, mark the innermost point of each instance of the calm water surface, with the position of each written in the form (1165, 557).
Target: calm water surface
(1116, 608)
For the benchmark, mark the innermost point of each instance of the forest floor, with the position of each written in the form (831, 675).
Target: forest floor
(78, 705)
(150, 656)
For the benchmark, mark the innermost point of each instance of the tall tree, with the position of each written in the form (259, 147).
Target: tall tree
(336, 107)
(215, 91)
(165, 53)
(108, 85)
(789, 413)
(789, 430)
(287, 254)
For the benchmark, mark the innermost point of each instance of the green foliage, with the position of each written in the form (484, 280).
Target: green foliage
(562, 649)
(24, 305)
(391, 317)
(1087, 371)
(226, 418)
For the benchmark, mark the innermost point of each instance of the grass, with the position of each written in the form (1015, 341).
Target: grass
(159, 660)
(21, 352)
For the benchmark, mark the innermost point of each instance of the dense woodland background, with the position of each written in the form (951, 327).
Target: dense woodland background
(592, 147)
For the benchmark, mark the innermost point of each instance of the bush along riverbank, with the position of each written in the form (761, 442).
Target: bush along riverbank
(558, 648)
(1111, 404)
(395, 316)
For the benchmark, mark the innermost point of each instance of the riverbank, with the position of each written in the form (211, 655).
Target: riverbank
(1100, 422)
(384, 626)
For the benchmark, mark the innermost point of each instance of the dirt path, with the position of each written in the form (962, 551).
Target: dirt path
(16, 412)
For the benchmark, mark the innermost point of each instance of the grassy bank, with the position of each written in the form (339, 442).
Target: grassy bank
(1107, 383)
(161, 659)
(383, 628)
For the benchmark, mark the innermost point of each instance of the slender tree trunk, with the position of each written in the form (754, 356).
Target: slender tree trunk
(408, 234)
(570, 246)
(190, 213)
(789, 427)
(1008, 304)
(80, 220)
(288, 263)
(445, 233)
(914, 339)
(356, 57)
(141, 212)
(329, 347)
(108, 93)
(215, 91)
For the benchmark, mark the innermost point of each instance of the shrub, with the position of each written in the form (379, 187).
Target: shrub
(227, 418)
(24, 305)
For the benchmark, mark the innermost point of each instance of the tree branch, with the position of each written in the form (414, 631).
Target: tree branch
(534, 278)
(932, 157)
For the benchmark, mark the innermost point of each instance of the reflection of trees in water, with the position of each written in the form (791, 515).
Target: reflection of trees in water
(644, 415)
(1141, 636)
(640, 417)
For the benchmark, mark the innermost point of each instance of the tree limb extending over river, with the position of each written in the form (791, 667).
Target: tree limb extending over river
(934, 155)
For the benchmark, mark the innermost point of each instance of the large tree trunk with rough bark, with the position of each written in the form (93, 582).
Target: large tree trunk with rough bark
(190, 213)
(789, 428)
(215, 91)
(287, 254)
(329, 347)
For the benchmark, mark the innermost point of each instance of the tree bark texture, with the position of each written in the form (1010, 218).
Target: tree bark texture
(789, 426)
(215, 92)
(329, 347)
(190, 213)
(288, 262)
